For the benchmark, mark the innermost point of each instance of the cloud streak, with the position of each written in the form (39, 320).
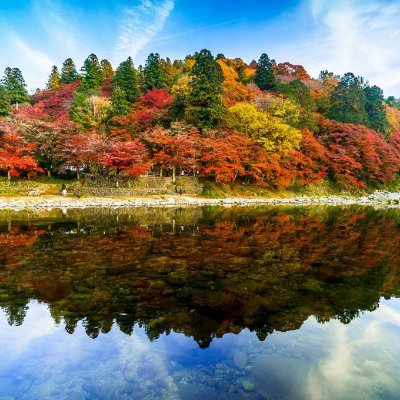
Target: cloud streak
(140, 25)
(362, 36)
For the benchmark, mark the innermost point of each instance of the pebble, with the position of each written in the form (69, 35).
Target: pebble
(378, 198)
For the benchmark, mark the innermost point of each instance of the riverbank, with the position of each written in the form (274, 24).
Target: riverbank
(51, 202)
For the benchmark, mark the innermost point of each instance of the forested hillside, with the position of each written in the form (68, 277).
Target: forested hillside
(220, 119)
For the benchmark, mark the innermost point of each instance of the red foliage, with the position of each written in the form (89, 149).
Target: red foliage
(16, 156)
(157, 98)
(309, 164)
(50, 105)
(358, 155)
(173, 150)
(85, 150)
(130, 156)
(288, 69)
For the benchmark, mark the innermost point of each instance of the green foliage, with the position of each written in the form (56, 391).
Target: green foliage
(348, 101)
(120, 106)
(355, 102)
(5, 102)
(375, 109)
(325, 74)
(92, 74)
(264, 77)
(154, 73)
(80, 110)
(69, 73)
(14, 83)
(299, 93)
(126, 79)
(393, 102)
(106, 69)
(54, 79)
(206, 107)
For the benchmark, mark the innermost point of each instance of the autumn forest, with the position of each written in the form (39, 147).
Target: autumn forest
(264, 123)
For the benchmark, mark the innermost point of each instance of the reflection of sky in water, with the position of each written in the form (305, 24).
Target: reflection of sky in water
(356, 361)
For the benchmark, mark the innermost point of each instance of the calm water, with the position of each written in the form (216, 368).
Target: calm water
(202, 303)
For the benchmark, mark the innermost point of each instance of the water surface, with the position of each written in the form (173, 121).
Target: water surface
(227, 303)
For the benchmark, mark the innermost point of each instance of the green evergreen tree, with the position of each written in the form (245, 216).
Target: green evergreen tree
(300, 94)
(5, 102)
(126, 79)
(92, 75)
(15, 84)
(107, 69)
(264, 77)
(54, 79)
(374, 106)
(69, 74)
(393, 102)
(205, 99)
(348, 101)
(253, 64)
(154, 73)
(80, 111)
(120, 106)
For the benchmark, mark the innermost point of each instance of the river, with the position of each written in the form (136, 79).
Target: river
(209, 302)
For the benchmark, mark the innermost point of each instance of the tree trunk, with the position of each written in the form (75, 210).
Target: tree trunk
(173, 174)
(8, 175)
(161, 172)
(77, 174)
(49, 172)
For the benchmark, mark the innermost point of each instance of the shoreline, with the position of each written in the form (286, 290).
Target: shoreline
(379, 198)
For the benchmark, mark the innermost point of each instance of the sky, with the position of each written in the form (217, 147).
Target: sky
(361, 36)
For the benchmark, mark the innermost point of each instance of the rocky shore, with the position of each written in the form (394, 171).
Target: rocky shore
(381, 198)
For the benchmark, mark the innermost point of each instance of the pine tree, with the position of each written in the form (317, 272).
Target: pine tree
(120, 106)
(253, 64)
(205, 101)
(15, 84)
(348, 101)
(54, 79)
(264, 77)
(374, 106)
(69, 73)
(154, 73)
(5, 102)
(126, 79)
(92, 74)
(107, 69)
(80, 111)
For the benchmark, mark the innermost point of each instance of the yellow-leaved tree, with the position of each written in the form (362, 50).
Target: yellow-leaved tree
(272, 132)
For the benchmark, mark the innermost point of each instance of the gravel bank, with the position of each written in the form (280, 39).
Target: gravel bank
(52, 202)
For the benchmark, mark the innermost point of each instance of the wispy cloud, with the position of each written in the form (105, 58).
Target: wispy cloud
(362, 36)
(141, 24)
(39, 63)
(203, 28)
(49, 15)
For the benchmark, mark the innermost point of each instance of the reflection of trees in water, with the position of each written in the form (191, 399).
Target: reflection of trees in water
(202, 272)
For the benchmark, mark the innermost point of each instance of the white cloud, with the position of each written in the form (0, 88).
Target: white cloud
(49, 15)
(140, 25)
(362, 36)
(39, 64)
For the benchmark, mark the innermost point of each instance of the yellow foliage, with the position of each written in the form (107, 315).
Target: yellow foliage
(393, 116)
(99, 107)
(234, 91)
(267, 129)
(279, 107)
(181, 87)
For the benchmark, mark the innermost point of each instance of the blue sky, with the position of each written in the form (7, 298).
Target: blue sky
(362, 36)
